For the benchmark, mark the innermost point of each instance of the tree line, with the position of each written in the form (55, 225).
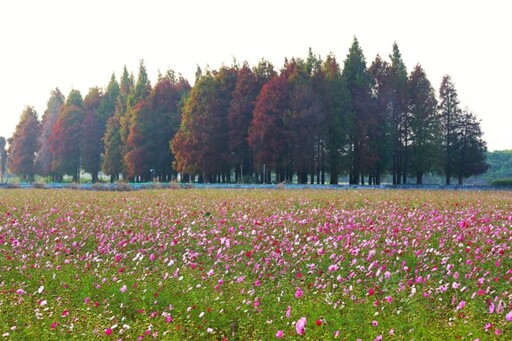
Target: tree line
(312, 121)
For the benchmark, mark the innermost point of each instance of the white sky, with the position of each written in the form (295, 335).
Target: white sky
(79, 44)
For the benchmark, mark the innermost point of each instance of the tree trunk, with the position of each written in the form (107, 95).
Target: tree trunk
(419, 178)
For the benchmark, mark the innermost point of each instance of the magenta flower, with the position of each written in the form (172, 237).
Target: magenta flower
(300, 326)
(508, 317)
(299, 293)
(108, 331)
(461, 305)
(20, 292)
(279, 334)
(375, 323)
(123, 288)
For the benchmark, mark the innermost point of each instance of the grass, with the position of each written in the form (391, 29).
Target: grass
(229, 264)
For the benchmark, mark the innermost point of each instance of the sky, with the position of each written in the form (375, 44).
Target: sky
(79, 44)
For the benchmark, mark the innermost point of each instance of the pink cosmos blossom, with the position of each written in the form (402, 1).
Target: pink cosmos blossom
(108, 331)
(279, 334)
(300, 326)
(461, 305)
(20, 292)
(123, 288)
(288, 311)
(387, 274)
(298, 293)
(152, 257)
(508, 317)
(375, 323)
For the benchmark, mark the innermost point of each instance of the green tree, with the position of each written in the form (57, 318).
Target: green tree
(334, 97)
(44, 155)
(113, 164)
(450, 112)
(471, 148)
(359, 108)
(113, 160)
(425, 139)
(382, 130)
(23, 145)
(398, 106)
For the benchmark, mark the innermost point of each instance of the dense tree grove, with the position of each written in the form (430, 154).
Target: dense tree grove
(313, 121)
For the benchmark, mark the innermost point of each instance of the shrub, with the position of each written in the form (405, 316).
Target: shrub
(502, 182)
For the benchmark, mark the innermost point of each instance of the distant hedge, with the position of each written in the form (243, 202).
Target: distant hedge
(502, 182)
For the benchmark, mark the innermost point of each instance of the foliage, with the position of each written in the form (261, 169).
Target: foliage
(23, 145)
(3, 158)
(44, 155)
(312, 121)
(66, 136)
(502, 182)
(500, 164)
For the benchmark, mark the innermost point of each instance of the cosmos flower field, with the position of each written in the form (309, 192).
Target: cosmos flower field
(255, 264)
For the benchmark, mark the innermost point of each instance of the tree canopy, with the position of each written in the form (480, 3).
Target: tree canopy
(313, 120)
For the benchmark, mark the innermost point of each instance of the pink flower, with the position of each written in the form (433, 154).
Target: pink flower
(279, 334)
(375, 323)
(54, 325)
(508, 317)
(461, 305)
(87, 300)
(300, 326)
(491, 308)
(123, 288)
(152, 257)
(299, 293)
(288, 311)
(65, 313)
(387, 274)
(20, 292)
(108, 331)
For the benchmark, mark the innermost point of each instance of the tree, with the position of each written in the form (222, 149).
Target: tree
(92, 134)
(139, 92)
(267, 128)
(114, 146)
(471, 149)
(449, 115)
(3, 158)
(425, 138)
(201, 144)
(398, 105)
(112, 163)
(381, 136)
(333, 97)
(247, 88)
(44, 155)
(154, 124)
(359, 85)
(66, 136)
(22, 149)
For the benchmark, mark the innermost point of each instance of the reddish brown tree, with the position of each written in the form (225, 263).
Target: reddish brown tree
(23, 145)
(92, 134)
(66, 137)
(248, 86)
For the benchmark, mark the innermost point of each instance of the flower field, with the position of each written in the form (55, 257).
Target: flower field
(255, 264)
